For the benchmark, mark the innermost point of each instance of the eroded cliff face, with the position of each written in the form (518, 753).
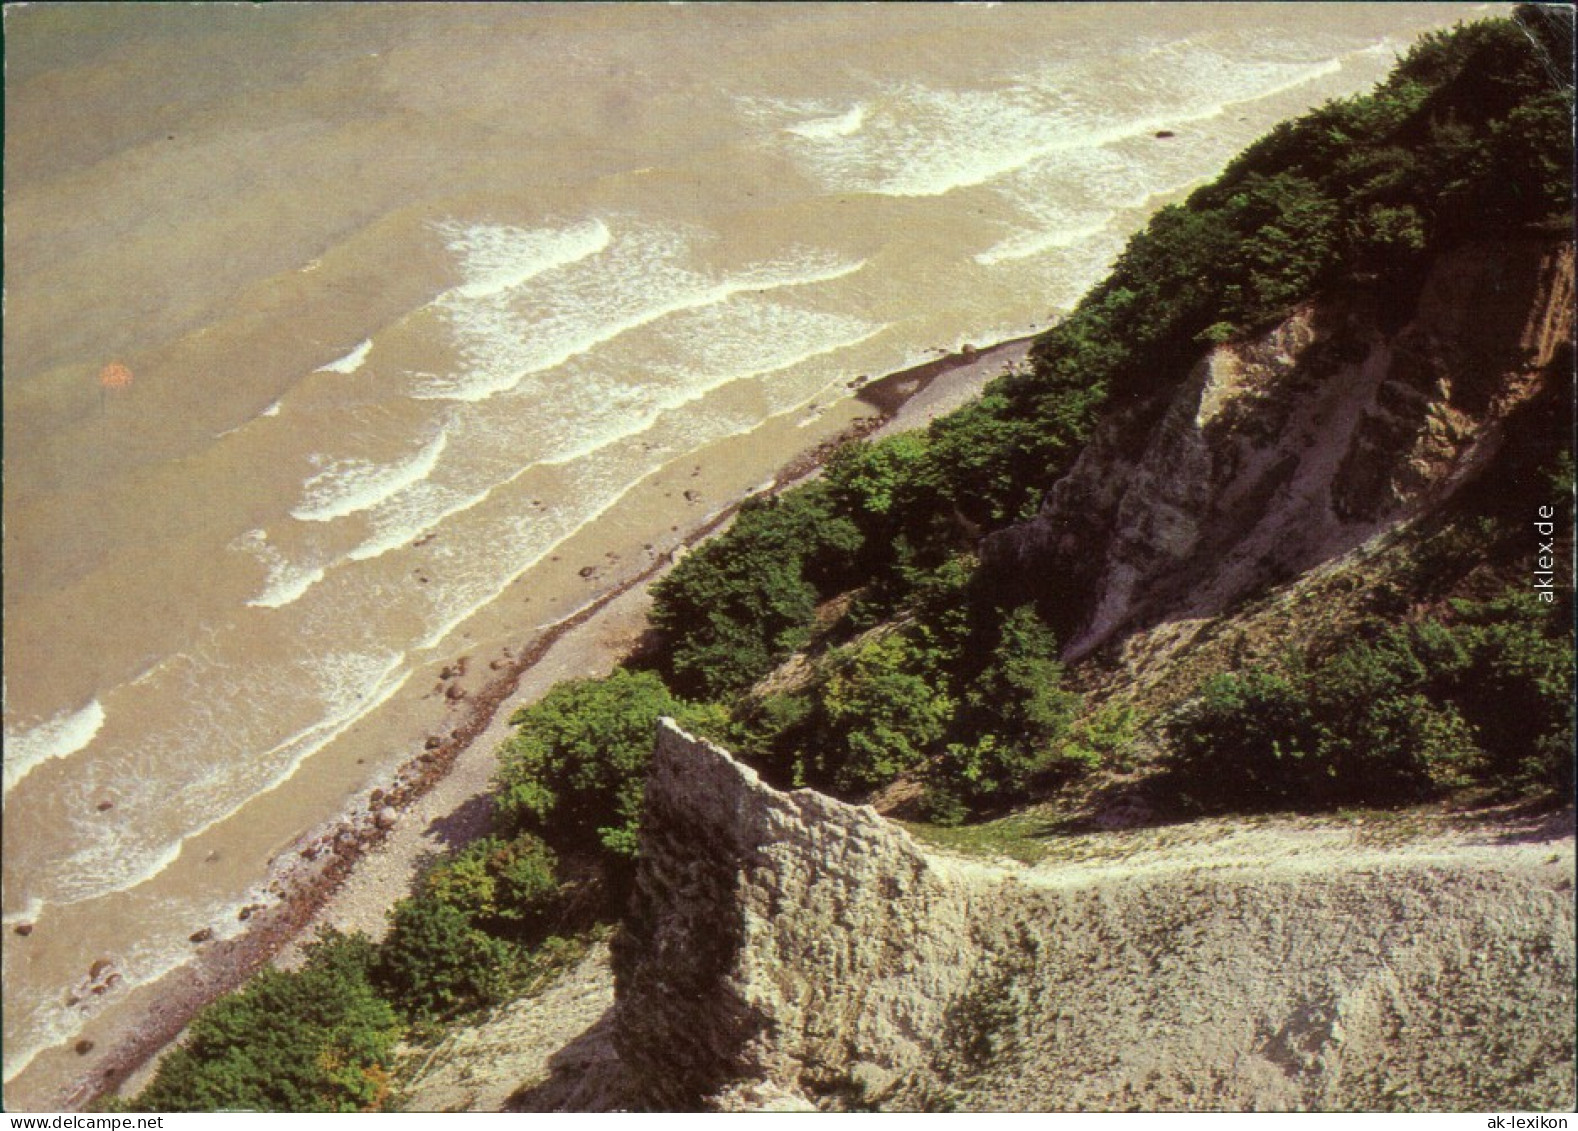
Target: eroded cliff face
(785, 950)
(774, 938)
(1287, 450)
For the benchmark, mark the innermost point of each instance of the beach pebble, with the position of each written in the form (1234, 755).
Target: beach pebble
(200, 936)
(23, 929)
(455, 693)
(105, 806)
(588, 571)
(387, 818)
(84, 1047)
(433, 742)
(1165, 133)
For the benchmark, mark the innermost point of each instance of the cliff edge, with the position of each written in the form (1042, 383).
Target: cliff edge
(1296, 445)
(786, 950)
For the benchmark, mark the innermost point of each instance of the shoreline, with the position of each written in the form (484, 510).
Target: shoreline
(318, 877)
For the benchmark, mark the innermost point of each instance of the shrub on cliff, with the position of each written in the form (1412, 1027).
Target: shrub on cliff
(1012, 726)
(1421, 710)
(876, 715)
(506, 887)
(435, 963)
(316, 1039)
(742, 602)
(573, 771)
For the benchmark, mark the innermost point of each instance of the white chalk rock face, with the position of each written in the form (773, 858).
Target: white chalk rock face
(785, 950)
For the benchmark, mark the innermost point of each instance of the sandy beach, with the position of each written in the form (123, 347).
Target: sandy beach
(348, 873)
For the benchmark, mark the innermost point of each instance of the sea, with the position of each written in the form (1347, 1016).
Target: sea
(440, 320)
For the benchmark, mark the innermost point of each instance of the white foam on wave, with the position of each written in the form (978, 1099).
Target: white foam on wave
(1054, 190)
(642, 280)
(839, 125)
(652, 408)
(29, 912)
(733, 340)
(1027, 244)
(351, 362)
(27, 748)
(287, 581)
(599, 412)
(286, 584)
(487, 594)
(121, 857)
(923, 142)
(406, 517)
(498, 258)
(271, 410)
(352, 485)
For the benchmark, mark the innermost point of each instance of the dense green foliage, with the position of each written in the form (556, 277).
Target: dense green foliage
(507, 885)
(1016, 715)
(573, 770)
(876, 715)
(436, 963)
(316, 1039)
(1418, 711)
(463, 939)
(739, 604)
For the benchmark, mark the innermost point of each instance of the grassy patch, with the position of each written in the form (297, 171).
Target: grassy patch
(1026, 837)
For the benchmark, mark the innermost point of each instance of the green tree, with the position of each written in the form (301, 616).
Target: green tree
(574, 769)
(1017, 714)
(435, 964)
(505, 886)
(744, 601)
(876, 715)
(316, 1039)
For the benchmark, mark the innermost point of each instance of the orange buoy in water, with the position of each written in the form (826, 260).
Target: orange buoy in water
(112, 376)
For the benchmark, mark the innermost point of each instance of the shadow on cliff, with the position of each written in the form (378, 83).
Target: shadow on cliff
(585, 1075)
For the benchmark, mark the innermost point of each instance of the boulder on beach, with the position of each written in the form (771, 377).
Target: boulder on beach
(201, 936)
(387, 817)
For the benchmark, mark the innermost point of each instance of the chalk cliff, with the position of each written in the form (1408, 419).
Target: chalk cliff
(1291, 447)
(785, 950)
